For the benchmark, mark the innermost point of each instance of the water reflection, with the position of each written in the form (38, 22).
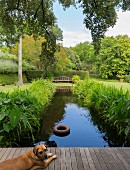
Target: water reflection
(87, 130)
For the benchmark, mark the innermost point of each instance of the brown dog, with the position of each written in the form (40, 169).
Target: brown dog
(33, 159)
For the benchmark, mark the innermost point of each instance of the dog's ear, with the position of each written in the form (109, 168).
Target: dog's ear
(35, 150)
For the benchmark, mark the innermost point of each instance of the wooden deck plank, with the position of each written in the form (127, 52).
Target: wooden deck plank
(63, 159)
(68, 159)
(125, 153)
(100, 159)
(2, 153)
(116, 159)
(73, 159)
(52, 165)
(58, 164)
(106, 160)
(95, 159)
(111, 159)
(123, 161)
(11, 153)
(90, 160)
(84, 159)
(80, 158)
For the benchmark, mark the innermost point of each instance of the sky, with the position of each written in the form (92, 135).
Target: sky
(71, 23)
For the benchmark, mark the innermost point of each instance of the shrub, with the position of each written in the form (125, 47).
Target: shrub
(43, 90)
(7, 66)
(18, 115)
(109, 102)
(37, 74)
(127, 78)
(81, 74)
(10, 78)
(75, 78)
(20, 112)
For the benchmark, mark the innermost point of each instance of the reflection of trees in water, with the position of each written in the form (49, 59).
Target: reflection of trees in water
(110, 133)
(54, 114)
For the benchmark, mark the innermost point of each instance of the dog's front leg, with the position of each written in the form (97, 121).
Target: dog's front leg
(51, 157)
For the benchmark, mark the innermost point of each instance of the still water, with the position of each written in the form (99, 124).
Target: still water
(86, 129)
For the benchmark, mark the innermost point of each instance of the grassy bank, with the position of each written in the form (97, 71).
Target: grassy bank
(118, 85)
(20, 111)
(111, 104)
(11, 88)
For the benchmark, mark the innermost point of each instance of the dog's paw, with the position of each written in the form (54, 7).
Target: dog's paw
(54, 156)
(49, 154)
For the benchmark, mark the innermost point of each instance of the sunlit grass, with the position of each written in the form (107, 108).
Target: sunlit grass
(118, 85)
(63, 84)
(11, 88)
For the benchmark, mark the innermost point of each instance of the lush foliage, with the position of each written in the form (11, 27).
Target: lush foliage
(75, 78)
(114, 57)
(85, 51)
(37, 17)
(34, 75)
(127, 78)
(10, 78)
(99, 16)
(9, 63)
(26, 16)
(7, 66)
(81, 74)
(18, 115)
(43, 90)
(20, 112)
(108, 102)
(31, 50)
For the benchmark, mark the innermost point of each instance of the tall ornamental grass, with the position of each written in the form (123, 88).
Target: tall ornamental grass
(20, 112)
(110, 103)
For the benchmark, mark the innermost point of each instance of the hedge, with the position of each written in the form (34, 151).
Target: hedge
(11, 78)
(127, 78)
(33, 74)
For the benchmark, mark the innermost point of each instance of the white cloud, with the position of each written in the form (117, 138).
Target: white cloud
(122, 26)
(71, 38)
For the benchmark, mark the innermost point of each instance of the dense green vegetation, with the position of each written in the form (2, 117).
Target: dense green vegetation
(108, 102)
(20, 112)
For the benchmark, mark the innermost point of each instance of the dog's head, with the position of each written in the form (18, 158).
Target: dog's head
(40, 152)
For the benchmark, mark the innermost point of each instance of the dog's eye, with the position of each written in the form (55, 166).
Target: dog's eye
(41, 152)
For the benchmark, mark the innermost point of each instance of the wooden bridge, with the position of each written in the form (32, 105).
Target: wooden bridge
(63, 79)
(80, 158)
(63, 88)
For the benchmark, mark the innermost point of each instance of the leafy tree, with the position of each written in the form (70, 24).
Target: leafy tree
(85, 51)
(75, 63)
(114, 56)
(30, 17)
(31, 50)
(61, 58)
(99, 15)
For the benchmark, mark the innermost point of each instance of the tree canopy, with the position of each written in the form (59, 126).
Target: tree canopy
(99, 15)
(114, 57)
(37, 17)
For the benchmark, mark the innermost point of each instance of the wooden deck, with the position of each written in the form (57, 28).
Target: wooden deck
(81, 158)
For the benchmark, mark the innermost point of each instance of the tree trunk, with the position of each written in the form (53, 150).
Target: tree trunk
(20, 78)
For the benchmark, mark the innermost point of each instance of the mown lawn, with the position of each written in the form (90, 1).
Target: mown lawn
(11, 88)
(118, 85)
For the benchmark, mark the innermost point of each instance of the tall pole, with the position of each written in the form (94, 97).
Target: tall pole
(20, 78)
